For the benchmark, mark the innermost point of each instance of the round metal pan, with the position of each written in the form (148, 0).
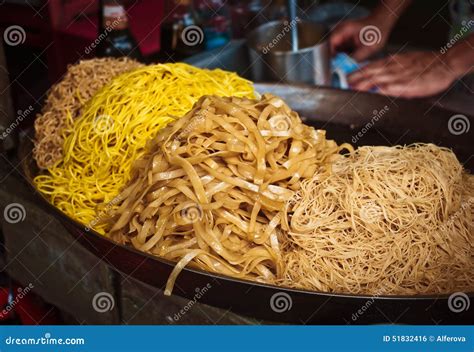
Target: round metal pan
(343, 115)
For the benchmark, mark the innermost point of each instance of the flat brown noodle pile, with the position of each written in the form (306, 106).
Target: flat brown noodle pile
(389, 220)
(213, 189)
(65, 100)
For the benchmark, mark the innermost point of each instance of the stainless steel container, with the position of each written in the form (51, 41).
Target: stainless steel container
(272, 59)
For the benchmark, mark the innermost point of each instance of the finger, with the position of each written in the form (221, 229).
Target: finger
(408, 90)
(341, 36)
(396, 89)
(364, 87)
(363, 52)
(372, 69)
(385, 78)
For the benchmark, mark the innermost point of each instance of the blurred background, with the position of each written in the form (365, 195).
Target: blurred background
(60, 32)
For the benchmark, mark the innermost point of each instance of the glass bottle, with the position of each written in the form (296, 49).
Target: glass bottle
(115, 38)
(215, 17)
(181, 36)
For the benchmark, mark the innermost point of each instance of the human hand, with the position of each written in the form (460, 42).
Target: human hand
(363, 37)
(409, 75)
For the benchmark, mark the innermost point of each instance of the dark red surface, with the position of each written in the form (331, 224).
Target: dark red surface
(144, 18)
(29, 310)
(64, 29)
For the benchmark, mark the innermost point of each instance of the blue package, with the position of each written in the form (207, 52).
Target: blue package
(342, 65)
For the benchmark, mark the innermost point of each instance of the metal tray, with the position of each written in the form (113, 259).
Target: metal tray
(343, 114)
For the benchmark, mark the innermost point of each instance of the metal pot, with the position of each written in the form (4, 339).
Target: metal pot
(272, 59)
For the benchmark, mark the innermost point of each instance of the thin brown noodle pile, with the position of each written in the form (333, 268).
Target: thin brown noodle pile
(65, 101)
(389, 220)
(212, 192)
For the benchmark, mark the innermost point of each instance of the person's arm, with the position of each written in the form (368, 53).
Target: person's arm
(347, 35)
(418, 73)
(460, 58)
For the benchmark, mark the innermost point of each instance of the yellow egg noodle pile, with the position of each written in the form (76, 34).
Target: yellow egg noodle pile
(388, 220)
(113, 129)
(65, 101)
(213, 188)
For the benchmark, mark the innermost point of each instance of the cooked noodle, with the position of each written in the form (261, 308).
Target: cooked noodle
(388, 220)
(212, 190)
(114, 128)
(242, 187)
(65, 100)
